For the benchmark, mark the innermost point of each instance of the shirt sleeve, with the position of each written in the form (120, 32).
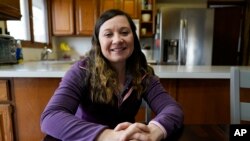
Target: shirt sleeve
(59, 120)
(168, 112)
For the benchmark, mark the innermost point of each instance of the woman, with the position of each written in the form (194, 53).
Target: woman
(99, 97)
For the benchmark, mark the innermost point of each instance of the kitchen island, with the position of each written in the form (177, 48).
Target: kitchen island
(203, 92)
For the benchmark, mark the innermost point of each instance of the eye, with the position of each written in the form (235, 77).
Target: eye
(108, 34)
(125, 33)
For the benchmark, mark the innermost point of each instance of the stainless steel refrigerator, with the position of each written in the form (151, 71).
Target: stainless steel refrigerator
(184, 36)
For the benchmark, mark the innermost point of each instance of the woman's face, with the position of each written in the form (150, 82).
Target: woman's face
(116, 39)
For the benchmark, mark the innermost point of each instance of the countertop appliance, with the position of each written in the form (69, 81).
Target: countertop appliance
(7, 49)
(185, 36)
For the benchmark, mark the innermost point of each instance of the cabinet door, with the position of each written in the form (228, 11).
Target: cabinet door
(62, 17)
(86, 13)
(10, 10)
(4, 90)
(6, 133)
(108, 4)
(130, 6)
(31, 96)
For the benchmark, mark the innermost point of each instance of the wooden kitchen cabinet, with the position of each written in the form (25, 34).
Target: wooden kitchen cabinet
(86, 14)
(6, 131)
(62, 17)
(135, 9)
(108, 4)
(10, 10)
(6, 123)
(4, 90)
(204, 101)
(31, 97)
(72, 17)
(128, 6)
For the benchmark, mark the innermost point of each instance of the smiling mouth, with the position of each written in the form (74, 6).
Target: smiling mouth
(118, 49)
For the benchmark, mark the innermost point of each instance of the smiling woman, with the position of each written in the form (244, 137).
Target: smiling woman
(33, 26)
(100, 96)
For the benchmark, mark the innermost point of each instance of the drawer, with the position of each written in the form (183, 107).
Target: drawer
(4, 89)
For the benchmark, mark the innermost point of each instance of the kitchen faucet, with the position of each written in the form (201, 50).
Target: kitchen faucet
(45, 53)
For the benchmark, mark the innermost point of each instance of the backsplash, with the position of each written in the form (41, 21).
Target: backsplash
(79, 46)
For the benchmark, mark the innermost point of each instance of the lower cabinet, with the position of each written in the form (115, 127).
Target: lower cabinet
(31, 97)
(6, 130)
(204, 101)
(6, 114)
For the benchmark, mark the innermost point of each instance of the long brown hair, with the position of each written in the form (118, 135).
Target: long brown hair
(103, 80)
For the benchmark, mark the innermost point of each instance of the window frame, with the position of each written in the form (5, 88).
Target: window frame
(32, 43)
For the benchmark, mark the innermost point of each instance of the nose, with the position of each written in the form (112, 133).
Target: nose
(117, 39)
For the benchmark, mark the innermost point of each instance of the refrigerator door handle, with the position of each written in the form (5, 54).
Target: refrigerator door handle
(183, 41)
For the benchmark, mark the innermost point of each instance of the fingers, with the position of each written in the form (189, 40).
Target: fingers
(135, 131)
(122, 126)
(142, 127)
(140, 137)
(125, 125)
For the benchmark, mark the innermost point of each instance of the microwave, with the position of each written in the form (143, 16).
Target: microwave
(7, 49)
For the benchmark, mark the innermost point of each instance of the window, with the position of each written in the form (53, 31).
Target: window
(33, 26)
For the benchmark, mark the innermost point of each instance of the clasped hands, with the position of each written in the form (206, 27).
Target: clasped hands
(132, 132)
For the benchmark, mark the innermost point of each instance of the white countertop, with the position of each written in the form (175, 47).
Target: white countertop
(36, 69)
(58, 69)
(196, 72)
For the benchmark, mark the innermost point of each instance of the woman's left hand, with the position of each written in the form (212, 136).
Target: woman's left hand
(155, 134)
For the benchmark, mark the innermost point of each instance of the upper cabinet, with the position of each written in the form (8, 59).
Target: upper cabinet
(78, 17)
(128, 6)
(62, 17)
(137, 9)
(10, 10)
(86, 14)
(72, 17)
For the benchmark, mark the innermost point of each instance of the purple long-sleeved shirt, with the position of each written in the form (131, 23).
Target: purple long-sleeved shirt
(71, 115)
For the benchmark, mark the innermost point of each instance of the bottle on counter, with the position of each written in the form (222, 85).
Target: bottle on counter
(19, 52)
